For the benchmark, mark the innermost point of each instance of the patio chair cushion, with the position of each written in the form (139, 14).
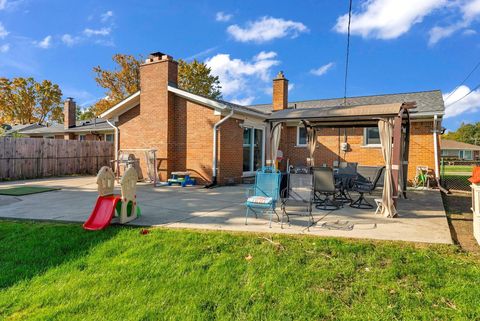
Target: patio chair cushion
(259, 200)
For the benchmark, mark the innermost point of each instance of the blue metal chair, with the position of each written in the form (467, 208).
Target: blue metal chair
(265, 193)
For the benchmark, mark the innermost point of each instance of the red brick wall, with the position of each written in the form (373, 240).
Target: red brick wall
(193, 137)
(230, 156)
(151, 124)
(421, 147)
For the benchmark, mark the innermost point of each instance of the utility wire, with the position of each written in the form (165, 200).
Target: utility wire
(466, 78)
(471, 91)
(348, 54)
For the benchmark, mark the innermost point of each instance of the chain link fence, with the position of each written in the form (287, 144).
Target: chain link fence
(454, 174)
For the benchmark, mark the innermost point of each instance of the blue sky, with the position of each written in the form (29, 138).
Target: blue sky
(396, 46)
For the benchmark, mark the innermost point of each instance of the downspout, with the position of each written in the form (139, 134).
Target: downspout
(435, 145)
(435, 148)
(115, 129)
(214, 166)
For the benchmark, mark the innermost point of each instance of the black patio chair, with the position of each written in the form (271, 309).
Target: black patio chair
(298, 196)
(324, 189)
(365, 185)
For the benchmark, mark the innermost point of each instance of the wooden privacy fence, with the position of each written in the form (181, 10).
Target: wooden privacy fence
(22, 158)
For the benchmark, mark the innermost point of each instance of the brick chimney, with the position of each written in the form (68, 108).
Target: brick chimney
(157, 109)
(280, 92)
(70, 113)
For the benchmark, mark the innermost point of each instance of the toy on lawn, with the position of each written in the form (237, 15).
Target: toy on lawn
(108, 203)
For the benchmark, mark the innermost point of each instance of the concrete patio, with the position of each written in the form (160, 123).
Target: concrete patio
(422, 216)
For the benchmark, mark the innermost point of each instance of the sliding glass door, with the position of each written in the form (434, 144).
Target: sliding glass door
(253, 145)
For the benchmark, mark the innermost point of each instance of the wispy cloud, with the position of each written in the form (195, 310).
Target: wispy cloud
(469, 32)
(202, 53)
(223, 17)
(242, 79)
(387, 19)
(469, 12)
(469, 104)
(322, 70)
(3, 4)
(70, 40)
(266, 29)
(104, 17)
(243, 101)
(45, 43)
(4, 48)
(97, 32)
(3, 31)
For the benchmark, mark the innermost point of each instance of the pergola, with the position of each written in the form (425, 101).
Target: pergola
(393, 121)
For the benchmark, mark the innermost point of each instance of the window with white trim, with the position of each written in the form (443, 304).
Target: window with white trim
(301, 136)
(467, 155)
(371, 136)
(82, 137)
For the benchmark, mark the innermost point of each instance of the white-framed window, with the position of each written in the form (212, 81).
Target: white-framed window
(301, 136)
(82, 138)
(371, 136)
(466, 155)
(109, 137)
(50, 137)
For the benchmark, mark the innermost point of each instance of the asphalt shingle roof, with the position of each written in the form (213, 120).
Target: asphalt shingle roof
(452, 144)
(427, 102)
(81, 126)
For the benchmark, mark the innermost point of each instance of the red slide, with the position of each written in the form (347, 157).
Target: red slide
(102, 213)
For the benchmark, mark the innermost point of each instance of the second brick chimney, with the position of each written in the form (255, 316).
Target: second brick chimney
(280, 92)
(69, 113)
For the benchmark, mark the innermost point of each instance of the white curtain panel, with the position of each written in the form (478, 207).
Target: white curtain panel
(385, 128)
(275, 142)
(312, 144)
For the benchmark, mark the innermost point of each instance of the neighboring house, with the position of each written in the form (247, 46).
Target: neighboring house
(452, 149)
(18, 128)
(93, 129)
(180, 126)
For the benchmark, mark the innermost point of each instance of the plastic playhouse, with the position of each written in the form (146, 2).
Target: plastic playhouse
(125, 205)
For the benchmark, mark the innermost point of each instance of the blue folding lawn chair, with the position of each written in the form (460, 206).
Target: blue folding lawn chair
(265, 193)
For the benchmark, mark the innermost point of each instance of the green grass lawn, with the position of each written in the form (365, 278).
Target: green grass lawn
(458, 168)
(60, 272)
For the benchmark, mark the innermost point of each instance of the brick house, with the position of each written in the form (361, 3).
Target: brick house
(181, 126)
(453, 150)
(92, 129)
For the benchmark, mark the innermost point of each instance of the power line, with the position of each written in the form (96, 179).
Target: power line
(348, 54)
(466, 78)
(471, 91)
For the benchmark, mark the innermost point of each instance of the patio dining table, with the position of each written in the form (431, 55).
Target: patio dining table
(344, 182)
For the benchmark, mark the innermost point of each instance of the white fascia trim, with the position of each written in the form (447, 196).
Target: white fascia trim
(106, 113)
(426, 114)
(210, 102)
(197, 98)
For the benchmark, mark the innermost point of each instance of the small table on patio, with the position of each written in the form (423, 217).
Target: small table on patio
(182, 178)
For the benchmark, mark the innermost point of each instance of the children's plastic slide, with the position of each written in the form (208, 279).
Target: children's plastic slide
(107, 202)
(102, 213)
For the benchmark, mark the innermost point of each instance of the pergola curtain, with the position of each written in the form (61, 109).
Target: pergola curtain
(275, 142)
(385, 128)
(312, 143)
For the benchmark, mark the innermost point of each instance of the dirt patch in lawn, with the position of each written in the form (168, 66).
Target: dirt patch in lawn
(460, 219)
